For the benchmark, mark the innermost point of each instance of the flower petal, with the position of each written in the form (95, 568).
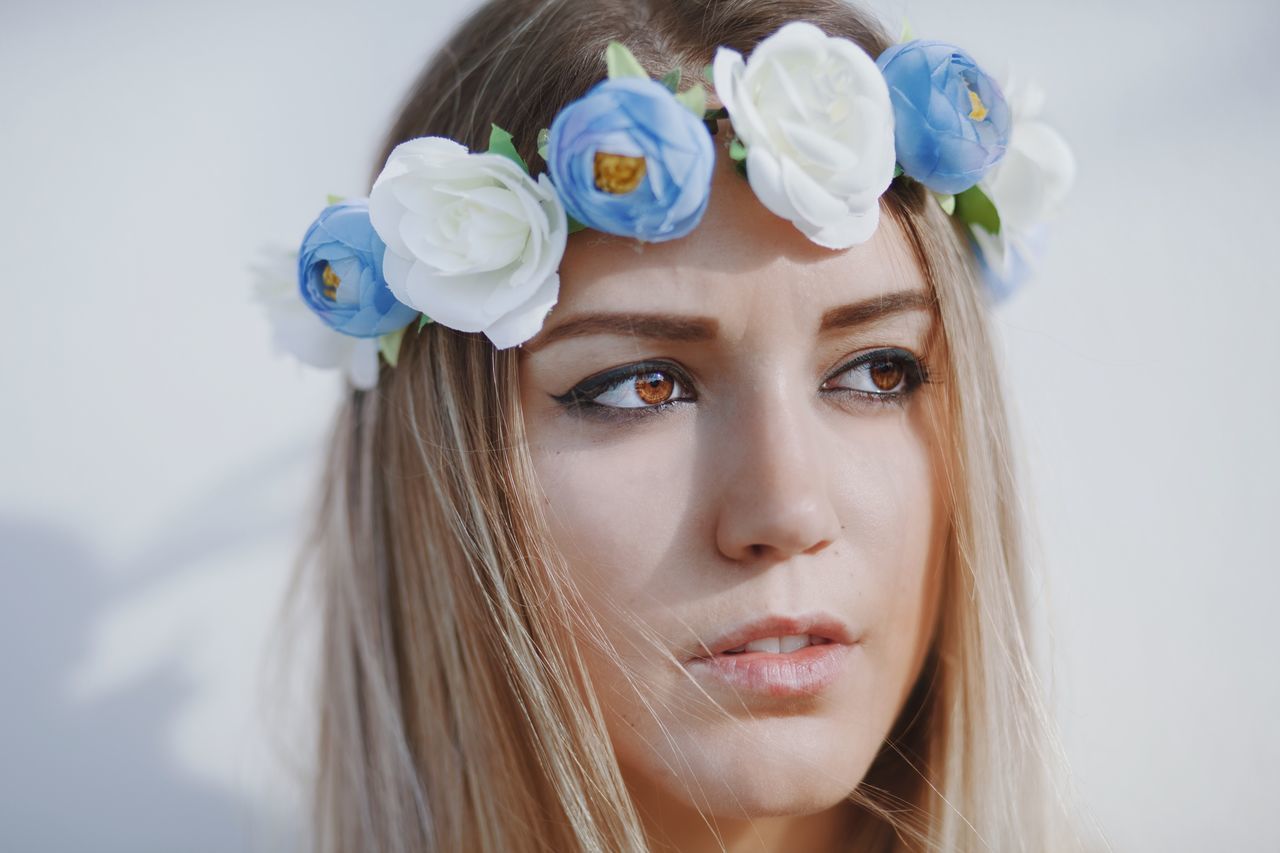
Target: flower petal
(819, 119)
(519, 325)
(764, 173)
(362, 364)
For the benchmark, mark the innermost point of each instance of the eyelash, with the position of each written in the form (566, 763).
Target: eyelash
(915, 374)
(581, 399)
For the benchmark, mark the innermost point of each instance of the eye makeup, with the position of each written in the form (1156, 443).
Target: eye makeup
(655, 386)
(900, 370)
(879, 377)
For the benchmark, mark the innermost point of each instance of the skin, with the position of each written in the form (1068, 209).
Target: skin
(763, 489)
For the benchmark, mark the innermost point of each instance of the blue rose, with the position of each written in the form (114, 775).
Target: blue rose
(628, 158)
(951, 122)
(340, 273)
(1006, 263)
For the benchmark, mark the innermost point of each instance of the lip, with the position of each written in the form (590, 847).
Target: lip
(805, 672)
(817, 623)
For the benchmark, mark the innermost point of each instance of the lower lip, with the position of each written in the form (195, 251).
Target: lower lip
(804, 672)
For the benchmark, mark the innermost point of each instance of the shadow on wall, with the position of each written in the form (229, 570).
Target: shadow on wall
(132, 716)
(93, 775)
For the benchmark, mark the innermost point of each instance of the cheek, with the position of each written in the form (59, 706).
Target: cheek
(619, 512)
(894, 524)
(616, 506)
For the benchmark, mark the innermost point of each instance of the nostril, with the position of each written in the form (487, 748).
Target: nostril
(818, 547)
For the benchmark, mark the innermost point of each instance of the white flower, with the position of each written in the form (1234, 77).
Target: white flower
(1031, 182)
(814, 114)
(472, 241)
(297, 330)
(1027, 187)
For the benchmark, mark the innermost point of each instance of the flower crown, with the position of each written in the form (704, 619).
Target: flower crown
(473, 241)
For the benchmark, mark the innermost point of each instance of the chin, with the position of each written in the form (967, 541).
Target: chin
(760, 768)
(776, 798)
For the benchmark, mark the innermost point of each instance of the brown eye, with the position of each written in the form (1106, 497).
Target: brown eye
(886, 375)
(641, 389)
(654, 388)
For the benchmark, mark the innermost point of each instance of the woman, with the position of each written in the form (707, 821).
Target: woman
(725, 556)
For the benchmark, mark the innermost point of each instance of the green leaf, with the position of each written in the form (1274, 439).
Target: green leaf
(672, 80)
(622, 62)
(711, 118)
(897, 170)
(975, 208)
(709, 74)
(575, 226)
(695, 100)
(946, 202)
(741, 166)
(501, 142)
(908, 34)
(332, 199)
(389, 346)
(737, 151)
(543, 136)
(424, 320)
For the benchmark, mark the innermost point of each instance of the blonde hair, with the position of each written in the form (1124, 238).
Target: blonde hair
(456, 710)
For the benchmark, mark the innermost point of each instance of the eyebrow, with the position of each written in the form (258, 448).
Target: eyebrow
(663, 327)
(686, 329)
(874, 308)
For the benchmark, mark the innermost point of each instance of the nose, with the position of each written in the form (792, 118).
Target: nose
(774, 501)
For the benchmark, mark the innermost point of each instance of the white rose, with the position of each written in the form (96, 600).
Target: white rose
(814, 114)
(297, 330)
(1038, 169)
(1028, 186)
(472, 241)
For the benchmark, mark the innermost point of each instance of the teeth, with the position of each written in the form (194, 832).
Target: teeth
(793, 642)
(764, 644)
(777, 645)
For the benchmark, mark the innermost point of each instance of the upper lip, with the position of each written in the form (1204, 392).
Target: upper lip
(817, 623)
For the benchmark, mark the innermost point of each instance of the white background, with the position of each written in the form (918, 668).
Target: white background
(156, 454)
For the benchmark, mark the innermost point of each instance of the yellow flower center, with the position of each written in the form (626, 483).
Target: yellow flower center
(617, 173)
(979, 111)
(331, 282)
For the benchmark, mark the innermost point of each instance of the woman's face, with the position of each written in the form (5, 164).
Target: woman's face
(735, 444)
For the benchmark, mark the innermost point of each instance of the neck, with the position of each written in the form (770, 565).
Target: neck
(681, 828)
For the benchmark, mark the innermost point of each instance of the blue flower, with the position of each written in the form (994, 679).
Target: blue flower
(1006, 262)
(628, 158)
(340, 274)
(951, 122)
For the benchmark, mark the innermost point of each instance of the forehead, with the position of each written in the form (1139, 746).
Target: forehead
(742, 265)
